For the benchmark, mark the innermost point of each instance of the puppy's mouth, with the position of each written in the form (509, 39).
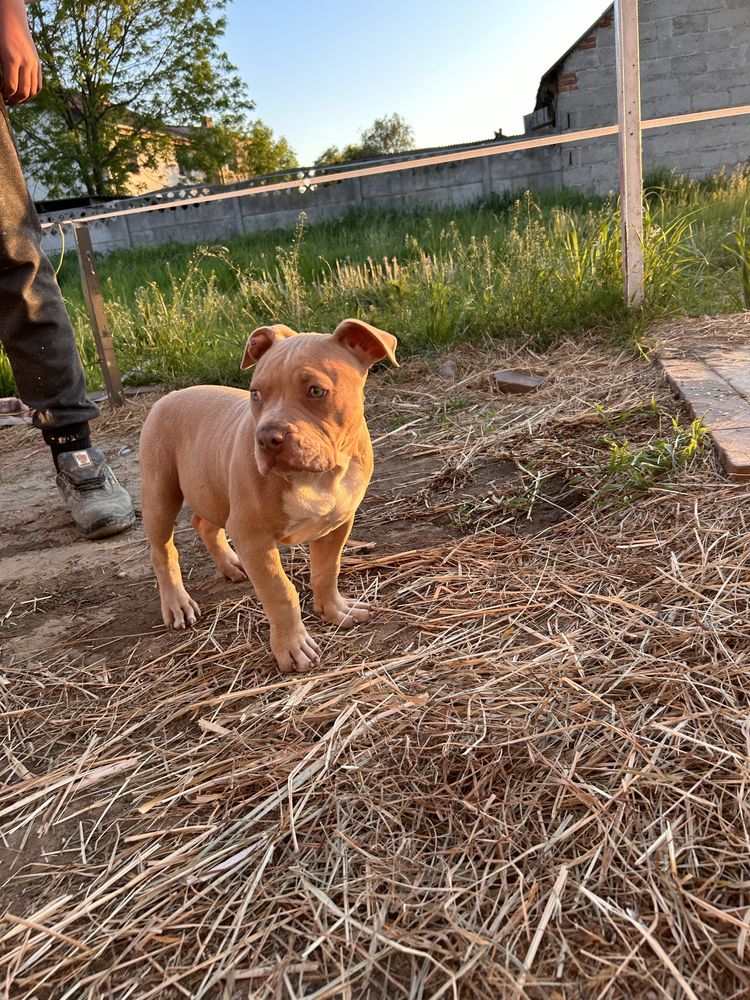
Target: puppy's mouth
(279, 465)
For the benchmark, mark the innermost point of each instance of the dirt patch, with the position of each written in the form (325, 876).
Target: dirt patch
(57, 588)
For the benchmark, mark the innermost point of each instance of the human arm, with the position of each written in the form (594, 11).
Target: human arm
(19, 61)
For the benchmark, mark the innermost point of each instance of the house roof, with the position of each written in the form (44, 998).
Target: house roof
(553, 70)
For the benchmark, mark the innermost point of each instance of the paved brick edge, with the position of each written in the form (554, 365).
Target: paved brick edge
(714, 389)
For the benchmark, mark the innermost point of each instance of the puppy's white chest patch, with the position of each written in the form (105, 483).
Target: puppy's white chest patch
(320, 502)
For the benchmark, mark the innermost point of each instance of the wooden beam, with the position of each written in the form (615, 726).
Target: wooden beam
(92, 294)
(631, 166)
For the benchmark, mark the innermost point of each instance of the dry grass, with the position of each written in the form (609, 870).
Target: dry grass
(528, 779)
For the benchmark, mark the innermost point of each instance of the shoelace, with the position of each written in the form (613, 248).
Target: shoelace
(96, 483)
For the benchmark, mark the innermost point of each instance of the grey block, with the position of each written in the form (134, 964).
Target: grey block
(650, 51)
(465, 194)
(333, 193)
(655, 69)
(500, 185)
(686, 24)
(271, 220)
(721, 41)
(576, 101)
(707, 102)
(582, 59)
(682, 45)
(688, 66)
(679, 104)
(690, 6)
(728, 62)
(729, 18)
(654, 90)
(395, 183)
(589, 79)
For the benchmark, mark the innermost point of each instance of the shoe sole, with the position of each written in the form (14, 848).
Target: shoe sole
(107, 530)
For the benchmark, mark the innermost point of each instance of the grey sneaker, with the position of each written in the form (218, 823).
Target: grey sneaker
(99, 505)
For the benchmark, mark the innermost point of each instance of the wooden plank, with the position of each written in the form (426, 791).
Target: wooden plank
(92, 294)
(631, 169)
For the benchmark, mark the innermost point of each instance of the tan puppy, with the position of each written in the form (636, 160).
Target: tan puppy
(288, 462)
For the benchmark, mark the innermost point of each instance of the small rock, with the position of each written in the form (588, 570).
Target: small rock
(448, 370)
(511, 380)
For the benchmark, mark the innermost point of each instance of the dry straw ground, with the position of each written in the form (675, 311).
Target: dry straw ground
(527, 777)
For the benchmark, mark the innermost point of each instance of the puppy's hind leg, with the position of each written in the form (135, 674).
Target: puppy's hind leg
(161, 500)
(226, 559)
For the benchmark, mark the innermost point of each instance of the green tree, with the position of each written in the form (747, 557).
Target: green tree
(333, 155)
(117, 73)
(387, 136)
(218, 151)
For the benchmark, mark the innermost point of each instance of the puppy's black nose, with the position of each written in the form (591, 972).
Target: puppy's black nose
(271, 438)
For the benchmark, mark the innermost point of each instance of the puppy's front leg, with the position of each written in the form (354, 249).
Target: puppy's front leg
(325, 565)
(293, 648)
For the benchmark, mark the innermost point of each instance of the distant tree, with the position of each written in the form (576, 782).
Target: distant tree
(261, 153)
(386, 136)
(333, 155)
(215, 150)
(330, 157)
(117, 73)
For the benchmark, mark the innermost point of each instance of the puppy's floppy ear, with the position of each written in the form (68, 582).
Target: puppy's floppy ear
(261, 339)
(367, 343)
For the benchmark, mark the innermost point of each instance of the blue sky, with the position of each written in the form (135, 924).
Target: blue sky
(455, 69)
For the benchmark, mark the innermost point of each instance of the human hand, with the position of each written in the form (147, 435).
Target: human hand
(19, 61)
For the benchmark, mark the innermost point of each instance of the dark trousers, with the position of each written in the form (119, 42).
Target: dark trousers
(34, 327)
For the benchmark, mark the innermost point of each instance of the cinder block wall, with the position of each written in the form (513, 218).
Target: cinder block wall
(457, 184)
(695, 56)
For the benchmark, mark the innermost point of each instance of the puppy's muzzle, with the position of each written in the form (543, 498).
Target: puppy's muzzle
(271, 438)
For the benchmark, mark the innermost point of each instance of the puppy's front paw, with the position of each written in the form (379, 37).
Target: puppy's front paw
(295, 651)
(178, 609)
(346, 612)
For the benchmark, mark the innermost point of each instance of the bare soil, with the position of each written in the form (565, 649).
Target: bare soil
(61, 592)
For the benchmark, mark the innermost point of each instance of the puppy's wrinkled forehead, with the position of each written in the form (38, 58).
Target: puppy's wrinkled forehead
(308, 353)
(353, 345)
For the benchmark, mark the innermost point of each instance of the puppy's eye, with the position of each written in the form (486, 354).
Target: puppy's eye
(255, 395)
(317, 392)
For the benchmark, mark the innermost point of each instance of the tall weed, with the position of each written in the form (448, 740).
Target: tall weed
(531, 267)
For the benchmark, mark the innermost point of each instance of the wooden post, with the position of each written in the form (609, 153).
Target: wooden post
(631, 166)
(92, 294)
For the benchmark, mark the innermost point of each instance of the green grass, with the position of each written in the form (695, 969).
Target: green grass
(528, 267)
(632, 471)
